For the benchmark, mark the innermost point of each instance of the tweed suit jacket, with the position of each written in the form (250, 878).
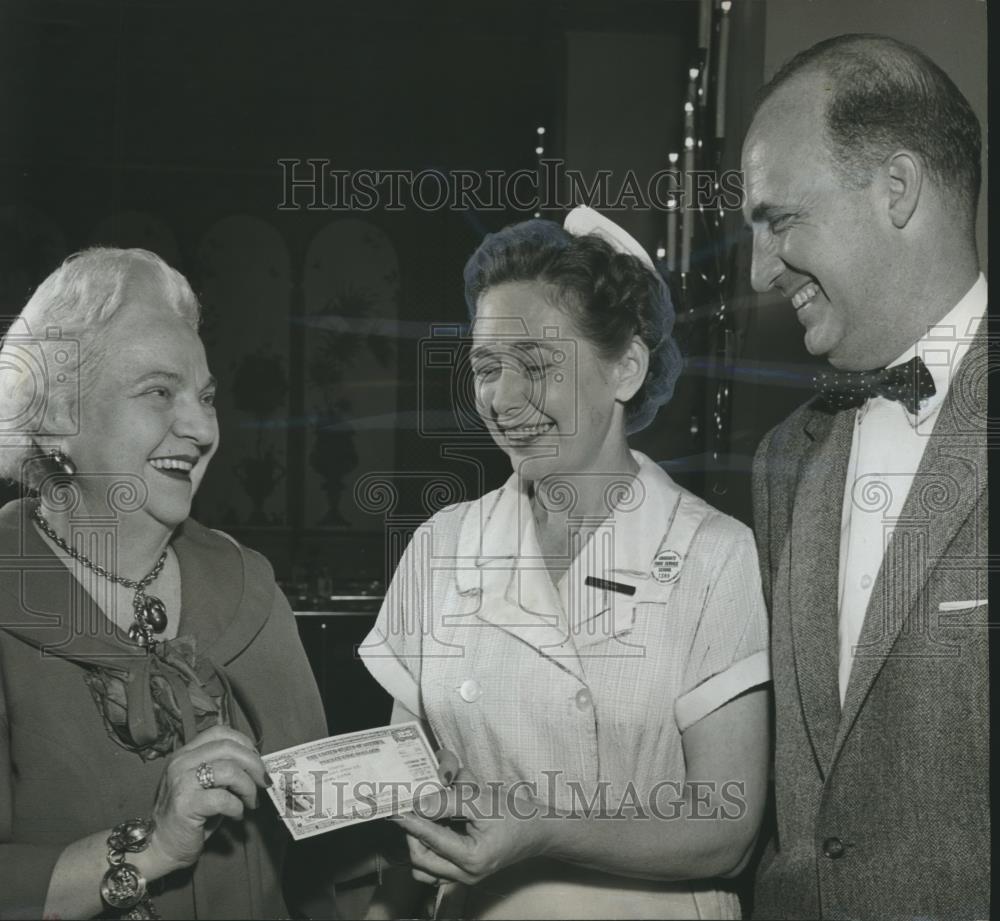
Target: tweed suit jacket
(882, 806)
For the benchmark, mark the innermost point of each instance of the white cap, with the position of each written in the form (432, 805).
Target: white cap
(583, 220)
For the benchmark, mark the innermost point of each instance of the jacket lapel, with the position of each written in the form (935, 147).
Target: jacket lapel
(946, 490)
(221, 606)
(227, 593)
(45, 606)
(813, 576)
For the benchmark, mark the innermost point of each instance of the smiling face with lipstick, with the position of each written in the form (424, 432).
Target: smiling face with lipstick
(127, 426)
(149, 410)
(550, 399)
(572, 350)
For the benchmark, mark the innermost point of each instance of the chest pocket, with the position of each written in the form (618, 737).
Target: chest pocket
(622, 621)
(618, 627)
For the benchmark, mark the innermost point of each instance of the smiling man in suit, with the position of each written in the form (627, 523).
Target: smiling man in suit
(862, 170)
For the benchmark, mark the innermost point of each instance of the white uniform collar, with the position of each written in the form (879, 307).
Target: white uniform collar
(499, 527)
(505, 583)
(498, 532)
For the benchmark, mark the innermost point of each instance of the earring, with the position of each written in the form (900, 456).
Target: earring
(62, 461)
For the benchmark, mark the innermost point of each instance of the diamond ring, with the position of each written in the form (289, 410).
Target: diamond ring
(205, 775)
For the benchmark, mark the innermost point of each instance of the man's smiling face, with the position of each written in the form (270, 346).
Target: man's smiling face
(823, 246)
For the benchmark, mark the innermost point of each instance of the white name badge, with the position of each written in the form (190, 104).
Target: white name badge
(667, 566)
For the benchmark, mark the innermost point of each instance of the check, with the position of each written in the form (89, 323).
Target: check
(351, 778)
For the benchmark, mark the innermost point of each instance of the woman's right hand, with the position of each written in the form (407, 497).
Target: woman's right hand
(186, 813)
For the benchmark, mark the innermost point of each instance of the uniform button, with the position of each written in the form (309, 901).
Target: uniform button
(583, 699)
(866, 581)
(470, 690)
(833, 848)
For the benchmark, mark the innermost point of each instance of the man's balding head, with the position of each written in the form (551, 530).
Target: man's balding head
(861, 172)
(885, 95)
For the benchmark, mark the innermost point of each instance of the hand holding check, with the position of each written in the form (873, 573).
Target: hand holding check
(454, 830)
(463, 834)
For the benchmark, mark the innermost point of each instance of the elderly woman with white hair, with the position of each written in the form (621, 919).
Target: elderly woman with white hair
(145, 660)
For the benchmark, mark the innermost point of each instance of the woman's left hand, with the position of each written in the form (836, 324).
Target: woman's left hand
(470, 833)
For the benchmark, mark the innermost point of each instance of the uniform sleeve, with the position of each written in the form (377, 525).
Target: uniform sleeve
(392, 650)
(728, 652)
(25, 869)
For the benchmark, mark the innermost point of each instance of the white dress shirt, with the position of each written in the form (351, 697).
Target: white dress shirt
(886, 451)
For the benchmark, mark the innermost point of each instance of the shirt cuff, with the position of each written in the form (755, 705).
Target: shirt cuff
(386, 668)
(711, 694)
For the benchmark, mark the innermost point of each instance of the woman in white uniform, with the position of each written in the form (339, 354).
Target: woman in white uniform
(590, 639)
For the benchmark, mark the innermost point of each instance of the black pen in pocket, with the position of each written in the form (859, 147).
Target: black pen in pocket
(609, 586)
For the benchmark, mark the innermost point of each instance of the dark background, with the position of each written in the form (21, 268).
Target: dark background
(160, 124)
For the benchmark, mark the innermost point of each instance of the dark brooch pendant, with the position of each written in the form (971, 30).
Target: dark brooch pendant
(140, 634)
(154, 613)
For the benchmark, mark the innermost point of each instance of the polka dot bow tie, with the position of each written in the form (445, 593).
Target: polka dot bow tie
(910, 384)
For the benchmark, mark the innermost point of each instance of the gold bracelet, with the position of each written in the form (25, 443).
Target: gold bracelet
(123, 887)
